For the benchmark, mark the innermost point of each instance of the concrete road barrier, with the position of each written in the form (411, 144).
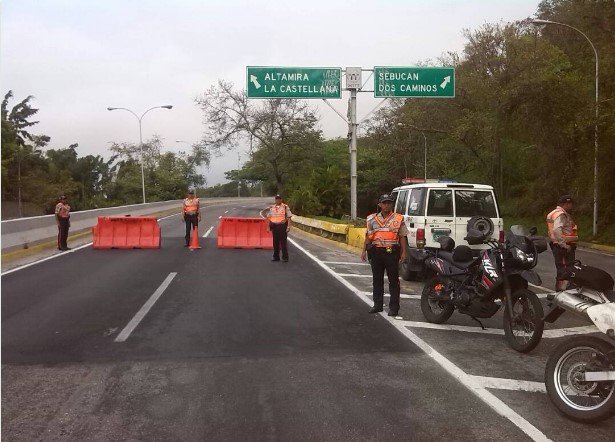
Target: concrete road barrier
(22, 233)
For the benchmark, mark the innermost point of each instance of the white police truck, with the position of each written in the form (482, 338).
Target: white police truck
(434, 209)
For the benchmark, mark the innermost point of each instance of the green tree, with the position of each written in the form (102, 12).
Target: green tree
(21, 151)
(281, 133)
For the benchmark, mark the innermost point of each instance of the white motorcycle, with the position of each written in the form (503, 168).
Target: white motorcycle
(580, 373)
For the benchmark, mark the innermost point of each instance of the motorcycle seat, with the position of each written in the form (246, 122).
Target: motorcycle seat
(448, 257)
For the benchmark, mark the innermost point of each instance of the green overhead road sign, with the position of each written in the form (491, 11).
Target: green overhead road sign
(414, 82)
(291, 82)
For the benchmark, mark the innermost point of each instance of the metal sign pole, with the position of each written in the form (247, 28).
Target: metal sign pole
(353, 154)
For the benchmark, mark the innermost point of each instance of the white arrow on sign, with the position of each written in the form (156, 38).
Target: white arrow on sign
(446, 81)
(257, 84)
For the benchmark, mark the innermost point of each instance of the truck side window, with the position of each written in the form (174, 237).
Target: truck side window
(400, 205)
(440, 203)
(415, 202)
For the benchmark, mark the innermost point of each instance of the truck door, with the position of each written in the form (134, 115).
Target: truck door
(476, 208)
(439, 219)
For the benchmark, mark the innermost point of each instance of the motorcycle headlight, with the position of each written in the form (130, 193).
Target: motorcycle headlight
(521, 256)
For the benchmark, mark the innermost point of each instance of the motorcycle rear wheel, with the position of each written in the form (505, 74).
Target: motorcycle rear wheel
(523, 326)
(435, 311)
(582, 401)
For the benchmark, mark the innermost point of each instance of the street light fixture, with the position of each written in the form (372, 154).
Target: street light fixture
(596, 106)
(424, 140)
(167, 106)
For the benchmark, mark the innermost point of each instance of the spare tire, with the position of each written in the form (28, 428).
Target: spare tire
(482, 224)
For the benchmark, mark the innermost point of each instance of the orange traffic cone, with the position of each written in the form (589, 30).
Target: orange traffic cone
(194, 241)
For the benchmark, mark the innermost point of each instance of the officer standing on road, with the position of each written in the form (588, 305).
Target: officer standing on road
(63, 219)
(279, 225)
(563, 239)
(385, 243)
(191, 214)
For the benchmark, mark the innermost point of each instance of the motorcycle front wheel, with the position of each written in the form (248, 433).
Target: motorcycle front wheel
(436, 303)
(579, 400)
(523, 326)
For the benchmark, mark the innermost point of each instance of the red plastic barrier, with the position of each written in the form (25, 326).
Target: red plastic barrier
(126, 232)
(244, 233)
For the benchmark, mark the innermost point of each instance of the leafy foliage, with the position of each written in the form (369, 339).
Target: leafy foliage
(37, 177)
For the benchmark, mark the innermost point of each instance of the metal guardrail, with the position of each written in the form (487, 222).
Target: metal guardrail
(346, 233)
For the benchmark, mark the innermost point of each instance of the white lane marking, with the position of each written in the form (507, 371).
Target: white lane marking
(60, 254)
(46, 259)
(541, 295)
(347, 263)
(510, 384)
(468, 381)
(547, 334)
(207, 233)
(562, 332)
(226, 212)
(450, 327)
(354, 275)
(134, 322)
(402, 295)
(596, 252)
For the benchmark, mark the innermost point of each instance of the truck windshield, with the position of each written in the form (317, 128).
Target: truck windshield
(469, 203)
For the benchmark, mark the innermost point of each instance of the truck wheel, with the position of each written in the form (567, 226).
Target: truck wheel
(406, 273)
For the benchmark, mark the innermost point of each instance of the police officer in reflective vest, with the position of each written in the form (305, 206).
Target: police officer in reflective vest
(385, 246)
(191, 214)
(279, 225)
(63, 219)
(563, 239)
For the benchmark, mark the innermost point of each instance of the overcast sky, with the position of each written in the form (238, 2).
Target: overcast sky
(78, 57)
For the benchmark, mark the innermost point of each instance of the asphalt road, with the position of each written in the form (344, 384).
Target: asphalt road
(236, 347)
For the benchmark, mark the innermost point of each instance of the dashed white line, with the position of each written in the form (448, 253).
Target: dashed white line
(450, 327)
(402, 295)
(562, 332)
(467, 380)
(207, 233)
(134, 322)
(347, 263)
(547, 334)
(510, 384)
(354, 275)
(542, 295)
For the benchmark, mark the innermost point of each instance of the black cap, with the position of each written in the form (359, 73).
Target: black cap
(564, 199)
(278, 196)
(385, 197)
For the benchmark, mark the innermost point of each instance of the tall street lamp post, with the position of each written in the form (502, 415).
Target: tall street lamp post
(425, 144)
(596, 106)
(168, 106)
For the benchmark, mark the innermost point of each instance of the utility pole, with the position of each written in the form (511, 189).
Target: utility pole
(238, 184)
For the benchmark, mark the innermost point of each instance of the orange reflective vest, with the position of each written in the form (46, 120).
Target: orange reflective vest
(568, 231)
(384, 233)
(277, 214)
(191, 206)
(63, 210)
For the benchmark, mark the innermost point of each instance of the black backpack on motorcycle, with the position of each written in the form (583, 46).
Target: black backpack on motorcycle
(590, 277)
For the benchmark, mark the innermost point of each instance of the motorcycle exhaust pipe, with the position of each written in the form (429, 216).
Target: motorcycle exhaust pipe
(570, 301)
